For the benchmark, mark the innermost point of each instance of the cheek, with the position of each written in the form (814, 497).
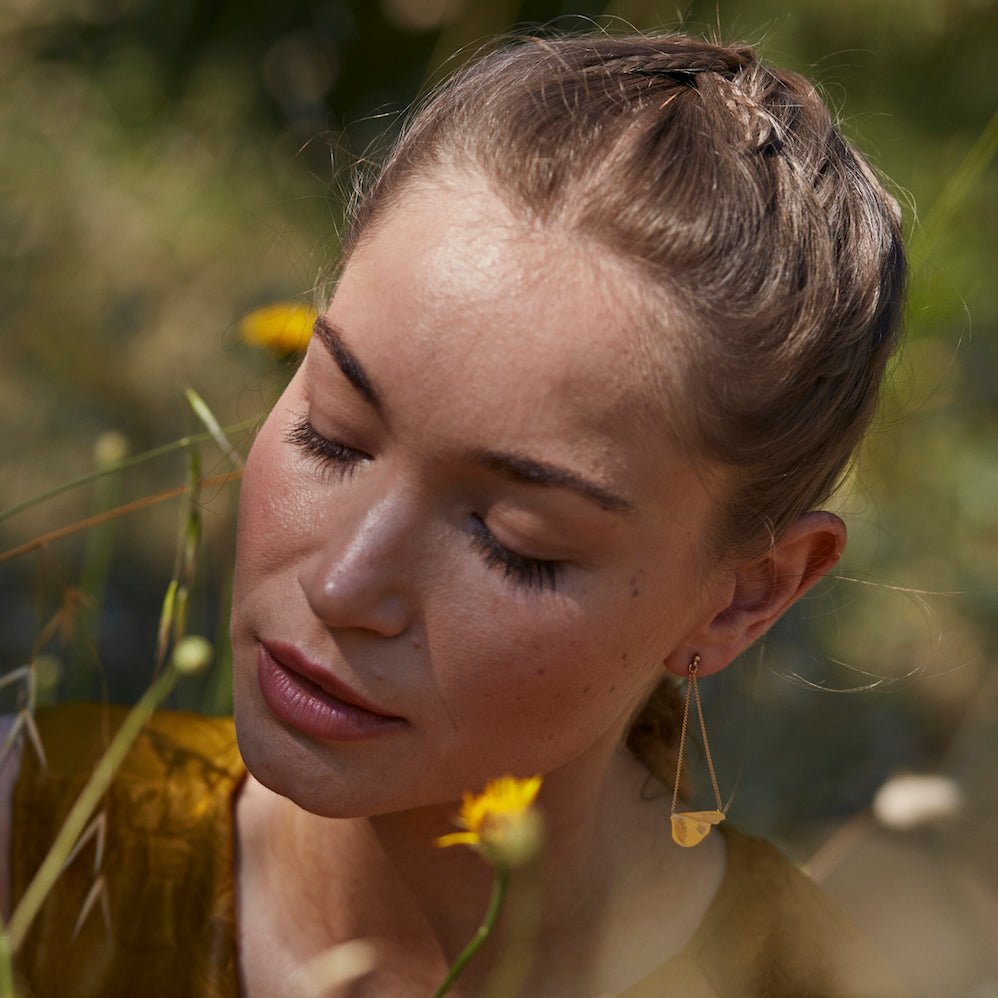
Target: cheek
(273, 509)
(557, 678)
(261, 517)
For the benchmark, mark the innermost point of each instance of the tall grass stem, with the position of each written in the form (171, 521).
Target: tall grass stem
(130, 462)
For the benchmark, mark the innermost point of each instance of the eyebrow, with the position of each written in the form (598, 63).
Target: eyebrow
(524, 469)
(512, 466)
(332, 339)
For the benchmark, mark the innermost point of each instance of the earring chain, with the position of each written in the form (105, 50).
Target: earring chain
(692, 687)
(703, 733)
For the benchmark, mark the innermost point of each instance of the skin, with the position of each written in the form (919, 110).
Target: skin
(476, 333)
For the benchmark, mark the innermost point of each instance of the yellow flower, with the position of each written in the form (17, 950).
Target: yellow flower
(284, 327)
(500, 822)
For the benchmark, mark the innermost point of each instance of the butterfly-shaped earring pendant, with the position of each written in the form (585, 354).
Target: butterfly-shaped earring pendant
(691, 827)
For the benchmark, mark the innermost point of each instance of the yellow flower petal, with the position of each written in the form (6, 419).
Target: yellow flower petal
(457, 839)
(500, 822)
(284, 327)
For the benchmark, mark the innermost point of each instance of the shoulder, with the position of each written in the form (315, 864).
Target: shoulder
(772, 931)
(178, 775)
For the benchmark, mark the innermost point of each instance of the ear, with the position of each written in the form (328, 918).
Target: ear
(757, 593)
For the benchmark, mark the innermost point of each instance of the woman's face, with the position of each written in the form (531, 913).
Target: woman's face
(466, 544)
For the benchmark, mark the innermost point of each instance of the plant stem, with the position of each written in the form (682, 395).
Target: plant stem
(128, 507)
(6, 967)
(484, 930)
(207, 417)
(520, 936)
(130, 462)
(962, 182)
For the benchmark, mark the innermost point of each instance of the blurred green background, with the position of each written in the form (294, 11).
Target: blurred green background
(167, 167)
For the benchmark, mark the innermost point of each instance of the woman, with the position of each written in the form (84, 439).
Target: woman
(609, 325)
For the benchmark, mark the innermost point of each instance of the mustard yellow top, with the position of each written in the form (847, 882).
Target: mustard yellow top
(167, 873)
(770, 932)
(167, 866)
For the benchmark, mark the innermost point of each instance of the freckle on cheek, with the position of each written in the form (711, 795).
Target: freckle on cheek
(540, 672)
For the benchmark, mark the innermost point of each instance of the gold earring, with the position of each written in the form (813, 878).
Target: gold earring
(691, 827)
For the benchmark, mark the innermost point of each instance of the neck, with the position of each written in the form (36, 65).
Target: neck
(452, 885)
(384, 878)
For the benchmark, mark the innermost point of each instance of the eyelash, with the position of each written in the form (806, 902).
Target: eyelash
(528, 572)
(331, 456)
(532, 573)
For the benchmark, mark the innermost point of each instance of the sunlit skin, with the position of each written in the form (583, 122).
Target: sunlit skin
(478, 400)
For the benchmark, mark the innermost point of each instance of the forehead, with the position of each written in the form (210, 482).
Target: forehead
(486, 300)
(480, 331)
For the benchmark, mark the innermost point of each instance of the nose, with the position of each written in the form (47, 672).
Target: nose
(356, 576)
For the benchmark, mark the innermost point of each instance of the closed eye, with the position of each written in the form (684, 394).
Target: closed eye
(331, 455)
(536, 573)
(340, 461)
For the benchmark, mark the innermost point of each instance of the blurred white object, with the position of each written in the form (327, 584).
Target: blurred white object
(907, 802)
(193, 654)
(110, 448)
(334, 969)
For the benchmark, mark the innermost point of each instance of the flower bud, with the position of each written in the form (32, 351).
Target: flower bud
(192, 654)
(110, 448)
(48, 671)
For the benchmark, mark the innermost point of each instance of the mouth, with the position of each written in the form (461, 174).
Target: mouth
(306, 697)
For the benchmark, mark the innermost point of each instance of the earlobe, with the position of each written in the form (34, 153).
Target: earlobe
(760, 591)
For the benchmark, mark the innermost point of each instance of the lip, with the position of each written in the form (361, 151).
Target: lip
(307, 697)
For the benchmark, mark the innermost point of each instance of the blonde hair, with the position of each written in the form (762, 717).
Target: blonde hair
(727, 185)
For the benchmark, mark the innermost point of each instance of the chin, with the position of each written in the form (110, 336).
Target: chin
(298, 769)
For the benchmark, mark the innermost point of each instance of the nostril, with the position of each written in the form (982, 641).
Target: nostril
(356, 574)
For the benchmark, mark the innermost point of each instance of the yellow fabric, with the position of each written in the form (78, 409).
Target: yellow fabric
(168, 865)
